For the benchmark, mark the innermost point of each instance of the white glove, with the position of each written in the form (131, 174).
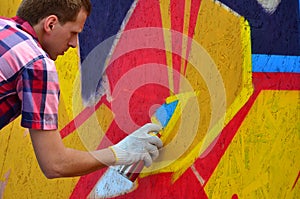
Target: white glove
(140, 145)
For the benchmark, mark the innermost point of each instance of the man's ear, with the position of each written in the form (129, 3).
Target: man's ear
(50, 22)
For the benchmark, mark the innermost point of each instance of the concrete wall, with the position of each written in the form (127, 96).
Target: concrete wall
(232, 66)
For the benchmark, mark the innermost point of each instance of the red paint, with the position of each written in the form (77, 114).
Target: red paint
(76, 122)
(146, 14)
(86, 183)
(177, 11)
(177, 24)
(276, 81)
(294, 185)
(235, 196)
(161, 186)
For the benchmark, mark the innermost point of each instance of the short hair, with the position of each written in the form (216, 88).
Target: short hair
(66, 10)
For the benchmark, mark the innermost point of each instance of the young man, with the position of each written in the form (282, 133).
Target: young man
(29, 44)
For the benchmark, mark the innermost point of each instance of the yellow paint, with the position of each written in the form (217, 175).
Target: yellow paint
(26, 179)
(245, 91)
(3, 183)
(168, 132)
(9, 8)
(77, 102)
(166, 25)
(174, 136)
(238, 90)
(105, 117)
(234, 62)
(68, 68)
(186, 27)
(263, 160)
(94, 128)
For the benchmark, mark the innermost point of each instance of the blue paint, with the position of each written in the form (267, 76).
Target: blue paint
(276, 33)
(164, 113)
(104, 22)
(298, 18)
(275, 63)
(96, 40)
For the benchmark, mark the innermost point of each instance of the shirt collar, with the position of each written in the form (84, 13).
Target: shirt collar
(24, 25)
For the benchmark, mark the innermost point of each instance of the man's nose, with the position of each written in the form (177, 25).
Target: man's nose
(73, 42)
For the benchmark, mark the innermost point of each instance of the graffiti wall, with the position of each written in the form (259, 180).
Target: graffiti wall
(222, 77)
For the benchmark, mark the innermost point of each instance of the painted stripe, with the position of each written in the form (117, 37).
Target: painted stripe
(276, 81)
(207, 164)
(194, 9)
(198, 176)
(186, 29)
(166, 24)
(275, 63)
(294, 185)
(177, 21)
(82, 117)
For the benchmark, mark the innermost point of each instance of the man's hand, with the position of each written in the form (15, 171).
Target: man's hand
(140, 145)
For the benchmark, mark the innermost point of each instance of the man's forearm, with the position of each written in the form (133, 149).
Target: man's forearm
(56, 160)
(84, 163)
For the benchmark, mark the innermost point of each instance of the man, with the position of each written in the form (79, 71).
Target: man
(29, 44)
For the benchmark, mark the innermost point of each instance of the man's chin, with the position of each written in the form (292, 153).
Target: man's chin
(55, 57)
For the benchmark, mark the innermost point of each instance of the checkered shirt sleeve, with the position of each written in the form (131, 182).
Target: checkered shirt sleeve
(39, 91)
(28, 79)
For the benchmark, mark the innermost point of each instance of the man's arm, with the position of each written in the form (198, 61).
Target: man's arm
(56, 160)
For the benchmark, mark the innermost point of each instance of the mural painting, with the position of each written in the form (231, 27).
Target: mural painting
(232, 69)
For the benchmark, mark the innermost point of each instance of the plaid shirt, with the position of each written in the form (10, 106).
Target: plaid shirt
(28, 78)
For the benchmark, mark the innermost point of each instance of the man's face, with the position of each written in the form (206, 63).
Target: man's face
(62, 37)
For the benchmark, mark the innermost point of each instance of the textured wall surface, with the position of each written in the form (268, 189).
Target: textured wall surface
(232, 66)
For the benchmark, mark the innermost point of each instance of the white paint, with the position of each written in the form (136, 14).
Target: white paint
(270, 6)
(198, 176)
(227, 8)
(112, 184)
(3, 184)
